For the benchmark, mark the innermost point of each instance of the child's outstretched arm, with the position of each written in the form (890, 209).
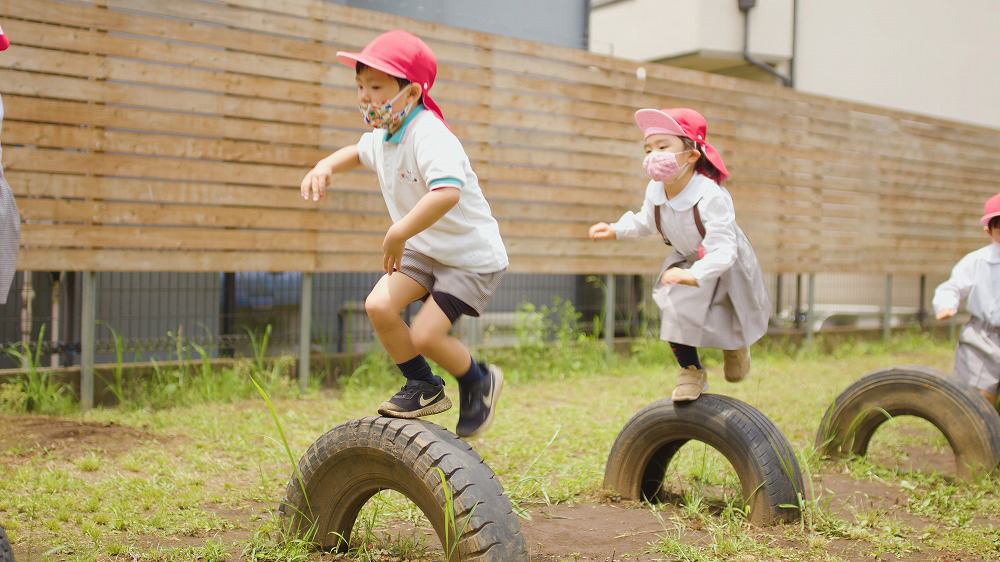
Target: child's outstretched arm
(426, 212)
(949, 294)
(631, 224)
(316, 181)
(602, 231)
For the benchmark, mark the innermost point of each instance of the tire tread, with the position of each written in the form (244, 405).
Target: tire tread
(492, 533)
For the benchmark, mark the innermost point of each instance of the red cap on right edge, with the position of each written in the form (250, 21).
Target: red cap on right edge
(991, 209)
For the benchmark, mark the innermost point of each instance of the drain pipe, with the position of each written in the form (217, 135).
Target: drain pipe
(745, 6)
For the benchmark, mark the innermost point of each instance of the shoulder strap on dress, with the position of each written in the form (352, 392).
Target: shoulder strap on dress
(697, 221)
(656, 219)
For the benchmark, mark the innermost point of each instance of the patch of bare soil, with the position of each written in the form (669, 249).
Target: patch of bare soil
(919, 455)
(23, 437)
(851, 499)
(590, 532)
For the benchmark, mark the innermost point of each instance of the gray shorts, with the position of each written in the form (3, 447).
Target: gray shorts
(977, 356)
(473, 289)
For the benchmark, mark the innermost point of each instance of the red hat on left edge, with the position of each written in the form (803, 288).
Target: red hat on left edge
(403, 55)
(4, 42)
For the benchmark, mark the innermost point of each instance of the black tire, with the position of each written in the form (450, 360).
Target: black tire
(968, 422)
(763, 459)
(352, 462)
(6, 553)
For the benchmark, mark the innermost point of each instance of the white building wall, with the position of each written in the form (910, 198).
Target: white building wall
(645, 29)
(923, 56)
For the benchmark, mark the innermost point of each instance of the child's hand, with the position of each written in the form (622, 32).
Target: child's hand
(315, 183)
(602, 231)
(677, 276)
(392, 248)
(945, 312)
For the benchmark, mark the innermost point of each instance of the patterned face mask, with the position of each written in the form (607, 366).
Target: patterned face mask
(380, 116)
(662, 166)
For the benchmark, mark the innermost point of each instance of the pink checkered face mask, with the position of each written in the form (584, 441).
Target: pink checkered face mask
(662, 166)
(380, 115)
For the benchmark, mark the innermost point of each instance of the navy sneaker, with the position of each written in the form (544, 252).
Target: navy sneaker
(478, 402)
(416, 399)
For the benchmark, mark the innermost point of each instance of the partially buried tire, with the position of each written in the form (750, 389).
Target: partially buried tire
(761, 456)
(968, 422)
(350, 463)
(6, 554)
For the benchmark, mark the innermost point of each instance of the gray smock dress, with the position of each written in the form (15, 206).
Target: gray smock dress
(10, 228)
(976, 277)
(730, 307)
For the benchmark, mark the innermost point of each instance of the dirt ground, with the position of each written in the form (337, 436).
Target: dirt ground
(585, 531)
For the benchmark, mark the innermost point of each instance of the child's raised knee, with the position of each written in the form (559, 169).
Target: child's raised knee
(379, 307)
(423, 340)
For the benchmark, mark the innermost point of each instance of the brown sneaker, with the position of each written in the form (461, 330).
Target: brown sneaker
(691, 383)
(737, 363)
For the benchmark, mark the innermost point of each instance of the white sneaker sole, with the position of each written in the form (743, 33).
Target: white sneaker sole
(388, 409)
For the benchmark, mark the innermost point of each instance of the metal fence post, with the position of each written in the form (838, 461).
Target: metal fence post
(922, 309)
(798, 301)
(305, 328)
(777, 294)
(887, 308)
(811, 305)
(609, 311)
(88, 325)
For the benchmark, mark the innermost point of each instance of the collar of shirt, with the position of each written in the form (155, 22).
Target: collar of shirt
(684, 200)
(398, 135)
(994, 254)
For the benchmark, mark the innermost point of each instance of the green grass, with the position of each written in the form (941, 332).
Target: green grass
(205, 481)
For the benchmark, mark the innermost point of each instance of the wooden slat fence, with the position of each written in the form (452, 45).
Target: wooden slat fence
(144, 135)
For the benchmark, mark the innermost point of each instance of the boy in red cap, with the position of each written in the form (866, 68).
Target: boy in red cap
(443, 246)
(10, 219)
(710, 290)
(977, 277)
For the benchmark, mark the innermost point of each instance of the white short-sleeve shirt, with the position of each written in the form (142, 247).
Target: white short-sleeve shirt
(424, 155)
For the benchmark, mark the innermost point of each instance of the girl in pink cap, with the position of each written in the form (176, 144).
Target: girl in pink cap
(443, 246)
(976, 277)
(710, 290)
(10, 219)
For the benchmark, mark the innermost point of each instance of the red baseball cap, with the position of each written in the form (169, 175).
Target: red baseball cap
(400, 54)
(682, 122)
(991, 209)
(4, 42)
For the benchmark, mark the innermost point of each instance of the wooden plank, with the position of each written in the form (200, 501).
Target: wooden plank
(158, 214)
(75, 137)
(63, 259)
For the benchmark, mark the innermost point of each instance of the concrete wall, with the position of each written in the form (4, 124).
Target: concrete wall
(661, 29)
(560, 22)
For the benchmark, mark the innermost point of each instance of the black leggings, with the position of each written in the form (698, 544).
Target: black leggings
(686, 355)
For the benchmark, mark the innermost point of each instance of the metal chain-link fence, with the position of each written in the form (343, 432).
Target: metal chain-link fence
(160, 315)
